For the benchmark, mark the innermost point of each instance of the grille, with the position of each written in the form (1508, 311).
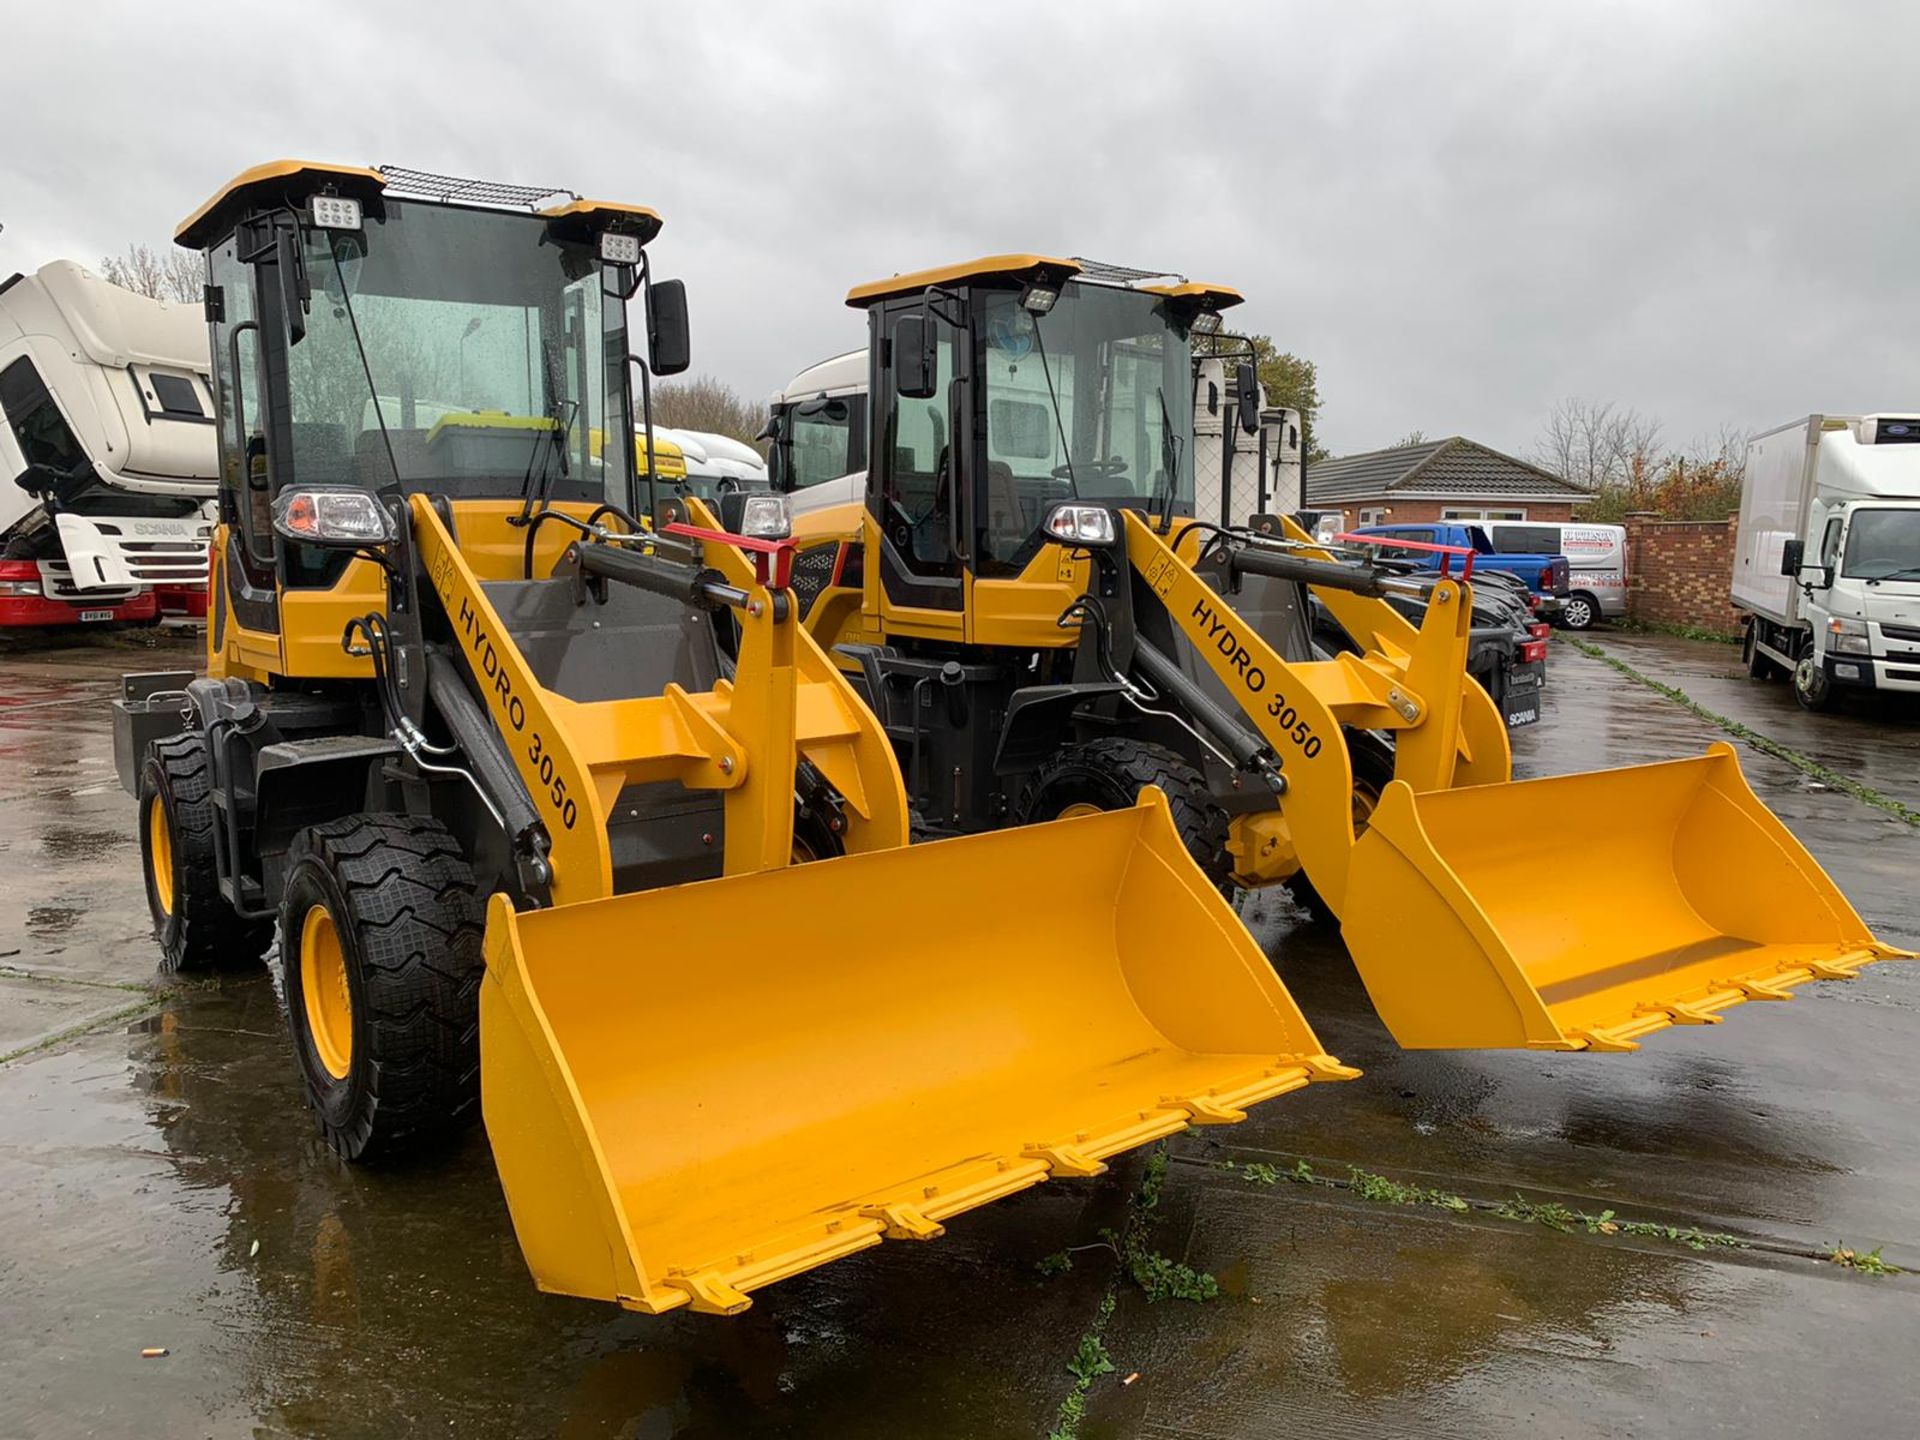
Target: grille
(1103, 273)
(450, 190)
(812, 569)
(1900, 632)
(56, 580)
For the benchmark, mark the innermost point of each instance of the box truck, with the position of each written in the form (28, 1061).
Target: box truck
(1826, 563)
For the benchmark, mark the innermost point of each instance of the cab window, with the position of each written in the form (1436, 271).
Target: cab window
(918, 495)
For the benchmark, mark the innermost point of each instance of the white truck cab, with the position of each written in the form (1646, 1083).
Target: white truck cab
(1826, 561)
(109, 430)
(818, 425)
(1241, 469)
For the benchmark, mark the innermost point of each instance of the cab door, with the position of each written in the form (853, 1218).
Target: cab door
(918, 491)
(244, 606)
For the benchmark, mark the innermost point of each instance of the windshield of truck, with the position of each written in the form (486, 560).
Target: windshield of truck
(460, 351)
(1092, 400)
(1883, 545)
(815, 441)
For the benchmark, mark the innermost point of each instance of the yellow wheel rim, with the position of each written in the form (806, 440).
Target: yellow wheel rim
(1078, 808)
(323, 986)
(160, 853)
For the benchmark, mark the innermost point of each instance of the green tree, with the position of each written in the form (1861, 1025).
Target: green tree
(1288, 380)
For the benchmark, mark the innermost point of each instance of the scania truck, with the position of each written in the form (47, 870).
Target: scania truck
(108, 461)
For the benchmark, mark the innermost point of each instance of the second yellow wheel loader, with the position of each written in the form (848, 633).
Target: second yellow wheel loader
(524, 785)
(1045, 630)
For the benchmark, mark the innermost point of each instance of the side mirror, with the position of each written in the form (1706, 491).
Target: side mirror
(914, 372)
(1246, 396)
(669, 344)
(1791, 555)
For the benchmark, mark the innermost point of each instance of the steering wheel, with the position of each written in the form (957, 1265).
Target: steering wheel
(1098, 469)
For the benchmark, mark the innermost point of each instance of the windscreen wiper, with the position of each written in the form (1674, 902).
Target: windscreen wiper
(1059, 425)
(1170, 456)
(534, 484)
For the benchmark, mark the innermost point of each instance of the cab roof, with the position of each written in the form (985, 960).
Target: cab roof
(291, 182)
(1044, 267)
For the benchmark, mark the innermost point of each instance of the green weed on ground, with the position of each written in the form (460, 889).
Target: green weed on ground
(1865, 1262)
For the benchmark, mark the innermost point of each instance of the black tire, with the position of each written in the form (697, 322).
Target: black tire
(197, 928)
(1813, 688)
(404, 920)
(1372, 770)
(1759, 666)
(1109, 774)
(1580, 611)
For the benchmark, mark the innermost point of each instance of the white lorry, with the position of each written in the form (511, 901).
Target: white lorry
(1241, 469)
(1826, 563)
(108, 457)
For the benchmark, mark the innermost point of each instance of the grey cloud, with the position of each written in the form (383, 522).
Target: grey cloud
(1461, 212)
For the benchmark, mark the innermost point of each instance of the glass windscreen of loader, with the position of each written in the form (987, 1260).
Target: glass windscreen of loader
(464, 352)
(1883, 545)
(1092, 400)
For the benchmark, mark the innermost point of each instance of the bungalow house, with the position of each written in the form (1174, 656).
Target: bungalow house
(1452, 479)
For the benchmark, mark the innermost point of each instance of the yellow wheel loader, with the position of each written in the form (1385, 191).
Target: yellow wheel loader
(523, 782)
(1045, 630)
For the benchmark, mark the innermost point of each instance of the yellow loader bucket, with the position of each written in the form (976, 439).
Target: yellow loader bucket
(696, 1091)
(1691, 897)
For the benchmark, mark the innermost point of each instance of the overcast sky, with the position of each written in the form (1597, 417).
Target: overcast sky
(1462, 213)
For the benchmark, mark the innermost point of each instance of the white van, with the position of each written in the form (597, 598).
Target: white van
(1596, 563)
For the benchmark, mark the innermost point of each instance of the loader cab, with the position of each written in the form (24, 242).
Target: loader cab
(389, 331)
(1002, 389)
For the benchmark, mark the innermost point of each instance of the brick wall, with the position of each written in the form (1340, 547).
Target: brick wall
(1679, 572)
(1421, 512)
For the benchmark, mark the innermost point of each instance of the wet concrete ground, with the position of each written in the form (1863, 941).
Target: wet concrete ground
(159, 1186)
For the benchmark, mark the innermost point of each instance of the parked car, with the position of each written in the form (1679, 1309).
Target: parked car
(1545, 574)
(1596, 563)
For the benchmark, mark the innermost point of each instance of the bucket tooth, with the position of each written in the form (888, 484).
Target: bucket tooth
(1605, 1042)
(1832, 970)
(1755, 989)
(1206, 1110)
(1325, 1067)
(904, 1222)
(711, 1293)
(1681, 1013)
(1065, 1160)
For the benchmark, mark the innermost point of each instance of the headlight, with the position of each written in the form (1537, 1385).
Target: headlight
(766, 517)
(331, 516)
(1081, 524)
(1848, 637)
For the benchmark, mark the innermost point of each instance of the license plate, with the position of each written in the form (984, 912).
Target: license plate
(96, 615)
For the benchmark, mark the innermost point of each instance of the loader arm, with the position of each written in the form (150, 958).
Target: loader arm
(1412, 682)
(742, 739)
